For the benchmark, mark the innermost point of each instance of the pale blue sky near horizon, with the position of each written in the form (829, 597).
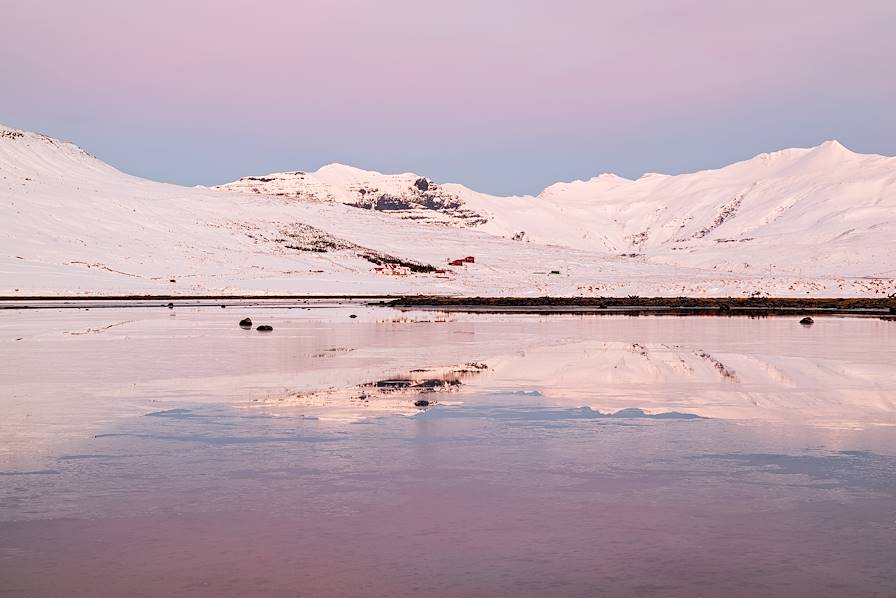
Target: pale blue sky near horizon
(502, 96)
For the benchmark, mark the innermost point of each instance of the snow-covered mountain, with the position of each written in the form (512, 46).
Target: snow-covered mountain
(798, 222)
(406, 196)
(813, 211)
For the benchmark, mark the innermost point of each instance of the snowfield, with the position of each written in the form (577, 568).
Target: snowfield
(798, 222)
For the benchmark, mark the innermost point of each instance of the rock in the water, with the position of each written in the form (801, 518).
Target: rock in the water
(246, 323)
(264, 328)
(421, 403)
(422, 184)
(353, 316)
(170, 306)
(807, 321)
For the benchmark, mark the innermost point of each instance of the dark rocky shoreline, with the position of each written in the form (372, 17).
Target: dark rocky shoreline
(630, 304)
(715, 305)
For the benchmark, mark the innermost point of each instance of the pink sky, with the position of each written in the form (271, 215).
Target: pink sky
(504, 96)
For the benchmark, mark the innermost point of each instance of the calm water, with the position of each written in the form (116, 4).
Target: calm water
(147, 451)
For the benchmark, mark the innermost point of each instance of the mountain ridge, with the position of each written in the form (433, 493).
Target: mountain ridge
(769, 196)
(831, 146)
(785, 223)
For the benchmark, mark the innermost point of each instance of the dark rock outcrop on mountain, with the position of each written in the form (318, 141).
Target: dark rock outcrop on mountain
(402, 195)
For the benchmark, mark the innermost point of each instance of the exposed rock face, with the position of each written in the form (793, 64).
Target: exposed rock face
(246, 323)
(417, 203)
(265, 328)
(10, 134)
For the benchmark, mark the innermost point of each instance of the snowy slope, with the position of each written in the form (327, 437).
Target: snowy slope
(818, 211)
(73, 224)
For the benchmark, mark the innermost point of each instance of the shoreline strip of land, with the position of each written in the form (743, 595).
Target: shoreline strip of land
(546, 304)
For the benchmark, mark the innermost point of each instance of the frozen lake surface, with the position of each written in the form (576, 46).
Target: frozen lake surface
(147, 451)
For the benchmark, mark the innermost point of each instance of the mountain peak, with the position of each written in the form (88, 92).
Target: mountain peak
(342, 170)
(832, 146)
(827, 155)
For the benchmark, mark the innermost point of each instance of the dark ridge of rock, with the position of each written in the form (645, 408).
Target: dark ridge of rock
(423, 196)
(421, 403)
(246, 323)
(426, 200)
(807, 321)
(302, 237)
(727, 211)
(265, 328)
(383, 258)
(387, 202)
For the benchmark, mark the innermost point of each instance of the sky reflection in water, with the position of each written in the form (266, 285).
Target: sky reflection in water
(113, 482)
